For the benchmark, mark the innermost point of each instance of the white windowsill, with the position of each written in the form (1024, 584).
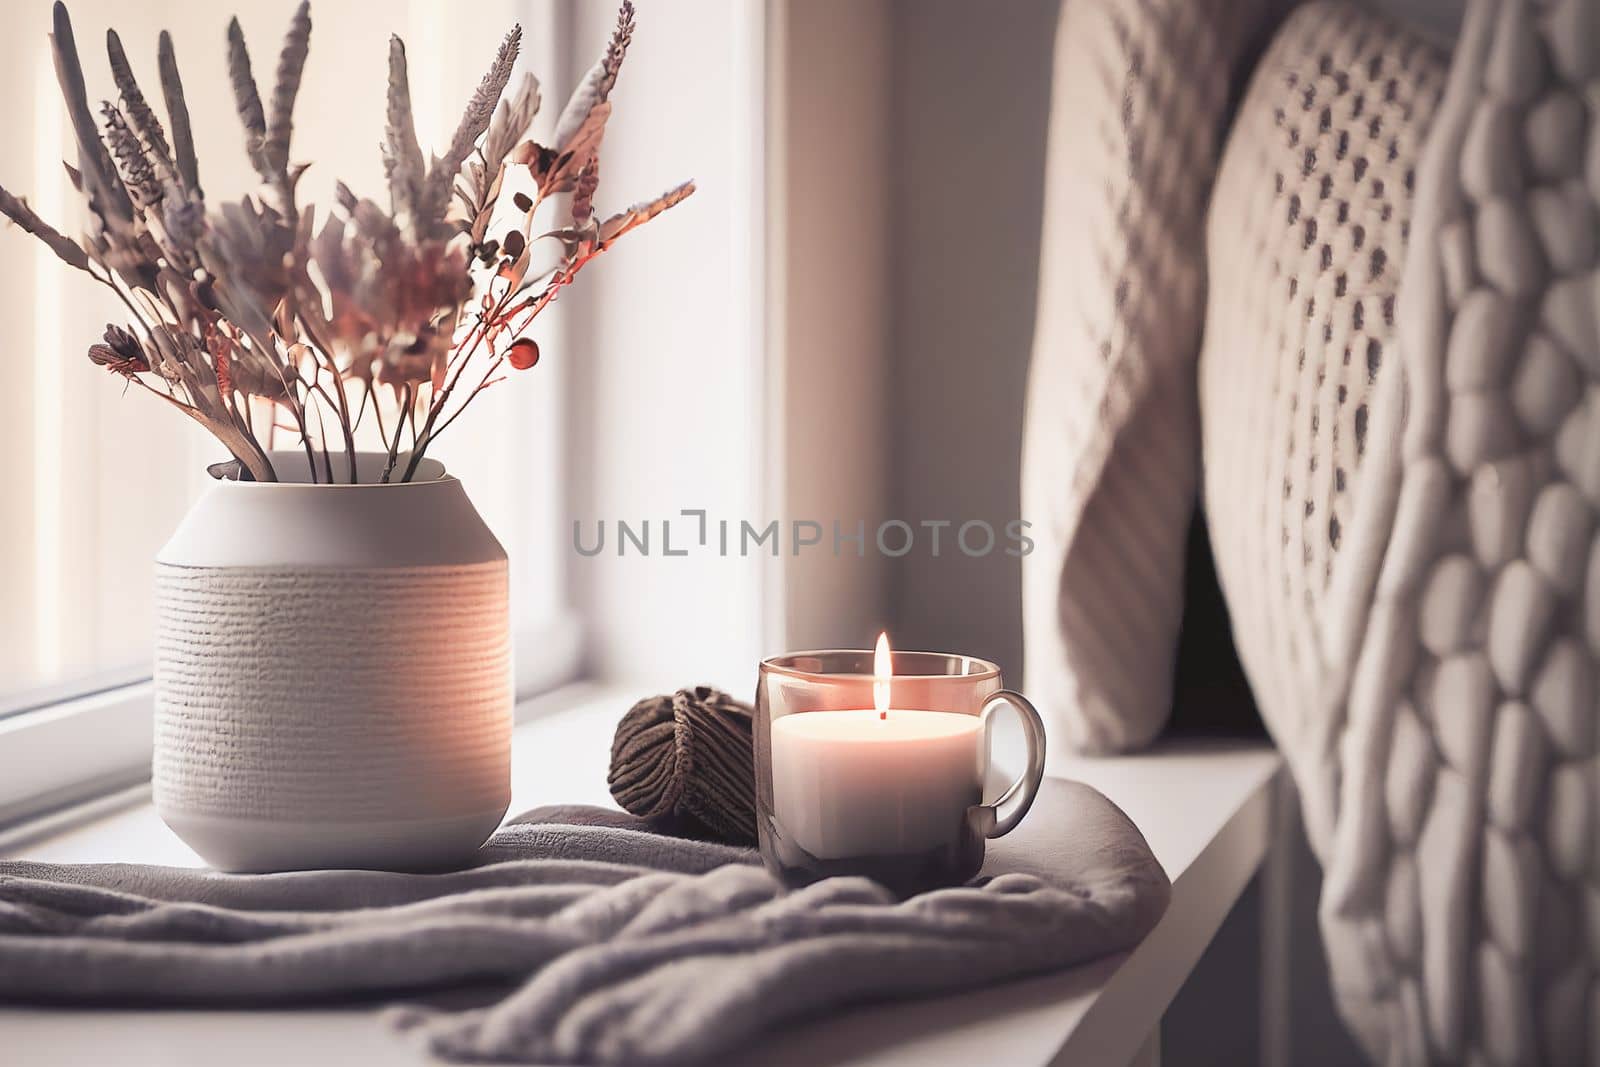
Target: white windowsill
(1206, 809)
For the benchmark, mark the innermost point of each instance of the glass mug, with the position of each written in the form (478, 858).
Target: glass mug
(896, 795)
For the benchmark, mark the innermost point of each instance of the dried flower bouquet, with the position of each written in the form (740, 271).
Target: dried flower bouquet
(253, 318)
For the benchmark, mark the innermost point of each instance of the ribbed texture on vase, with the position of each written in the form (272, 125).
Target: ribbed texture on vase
(304, 694)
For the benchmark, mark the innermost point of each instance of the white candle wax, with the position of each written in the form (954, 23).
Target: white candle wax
(854, 783)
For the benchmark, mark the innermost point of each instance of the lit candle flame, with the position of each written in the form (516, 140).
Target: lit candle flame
(882, 672)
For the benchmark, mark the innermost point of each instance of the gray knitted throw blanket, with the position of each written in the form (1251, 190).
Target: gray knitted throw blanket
(595, 939)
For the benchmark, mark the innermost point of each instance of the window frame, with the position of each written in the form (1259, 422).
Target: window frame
(56, 755)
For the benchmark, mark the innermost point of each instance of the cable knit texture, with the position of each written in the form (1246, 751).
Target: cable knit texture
(1403, 475)
(1307, 239)
(1140, 104)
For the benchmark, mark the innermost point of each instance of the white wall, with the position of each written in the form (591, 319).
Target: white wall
(832, 256)
(971, 91)
(734, 352)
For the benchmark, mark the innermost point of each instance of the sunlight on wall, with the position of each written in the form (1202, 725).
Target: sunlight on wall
(48, 418)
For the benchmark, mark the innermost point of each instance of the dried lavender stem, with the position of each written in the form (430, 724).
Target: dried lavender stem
(361, 410)
(370, 393)
(320, 346)
(399, 428)
(563, 278)
(292, 402)
(322, 426)
(445, 425)
(420, 445)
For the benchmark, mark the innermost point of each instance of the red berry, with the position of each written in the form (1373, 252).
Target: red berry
(524, 353)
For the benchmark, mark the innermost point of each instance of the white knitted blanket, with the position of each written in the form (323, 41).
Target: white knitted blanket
(1400, 423)
(1403, 481)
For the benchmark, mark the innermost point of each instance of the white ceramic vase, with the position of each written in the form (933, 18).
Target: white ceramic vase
(333, 674)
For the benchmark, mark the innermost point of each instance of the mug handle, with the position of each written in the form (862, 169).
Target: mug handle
(1001, 817)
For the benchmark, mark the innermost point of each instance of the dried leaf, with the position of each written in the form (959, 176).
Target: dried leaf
(122, 342)
(66, 249)
(643, 212)
(184, 219)
(119, 353)
(219, 364)
(132, 164)
(178, 116)
(595, 87)
(583, 195)
(511, 120)
(585, 98)
(370, 221)
(346, 196)
(578, 152)
(138, 110)
(474, 122)
(107, 198)
(617, 48)
(402, 156)
(104, 356)
(248, 101)
(291, 65)
(485, 180)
